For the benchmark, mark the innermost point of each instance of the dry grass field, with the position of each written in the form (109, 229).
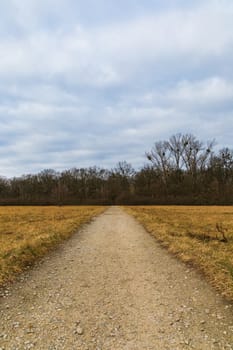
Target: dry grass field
(201, 236)
(27, 233)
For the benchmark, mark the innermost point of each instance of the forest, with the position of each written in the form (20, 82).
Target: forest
(181, 170)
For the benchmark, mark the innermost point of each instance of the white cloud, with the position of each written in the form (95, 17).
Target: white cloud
(73, 93)
(108, 54)
(209, 91)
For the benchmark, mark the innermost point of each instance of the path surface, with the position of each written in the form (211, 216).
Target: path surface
(112, 287)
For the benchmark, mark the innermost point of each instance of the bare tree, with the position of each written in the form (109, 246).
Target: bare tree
(176, 148)
(196, 155)
(160, 158)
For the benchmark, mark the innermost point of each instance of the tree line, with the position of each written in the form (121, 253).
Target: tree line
(180, 170)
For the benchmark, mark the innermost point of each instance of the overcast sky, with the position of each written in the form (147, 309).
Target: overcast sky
(94, 82)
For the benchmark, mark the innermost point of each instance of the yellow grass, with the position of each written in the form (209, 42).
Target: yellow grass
(27, 233)
(191, 233)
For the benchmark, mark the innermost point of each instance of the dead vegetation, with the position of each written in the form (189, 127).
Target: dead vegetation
(200, 236)
(27, 233)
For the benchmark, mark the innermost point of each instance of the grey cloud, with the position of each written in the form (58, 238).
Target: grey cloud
(96, 93)
(109, 55)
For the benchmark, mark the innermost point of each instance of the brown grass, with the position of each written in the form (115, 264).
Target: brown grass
(27, 233)
(201, 236)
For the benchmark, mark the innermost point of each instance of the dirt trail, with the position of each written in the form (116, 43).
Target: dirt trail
(112, 287)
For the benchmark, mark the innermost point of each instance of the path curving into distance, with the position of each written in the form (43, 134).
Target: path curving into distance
(112, 287)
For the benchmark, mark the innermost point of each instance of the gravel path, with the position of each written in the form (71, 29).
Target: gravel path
(112, 287)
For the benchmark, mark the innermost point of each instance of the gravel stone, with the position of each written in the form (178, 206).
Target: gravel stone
(112, 287)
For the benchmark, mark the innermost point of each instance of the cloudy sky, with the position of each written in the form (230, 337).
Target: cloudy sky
(94, 82)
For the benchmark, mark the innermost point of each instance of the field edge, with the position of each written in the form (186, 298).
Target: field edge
(217, 273)
(20, 257)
